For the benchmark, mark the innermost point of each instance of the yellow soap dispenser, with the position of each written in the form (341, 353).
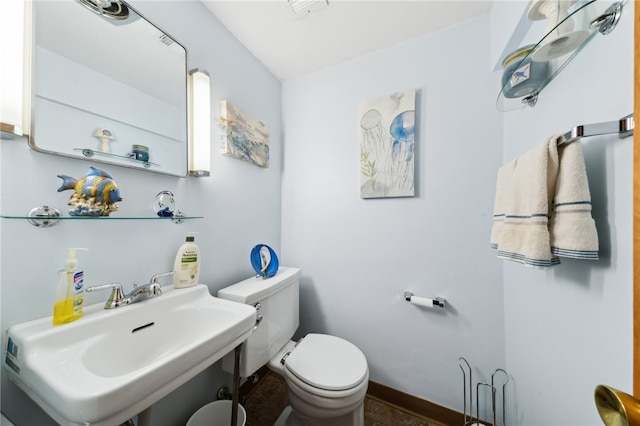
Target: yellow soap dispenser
(69, 297)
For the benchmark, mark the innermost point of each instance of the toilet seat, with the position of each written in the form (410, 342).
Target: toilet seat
(327, 363)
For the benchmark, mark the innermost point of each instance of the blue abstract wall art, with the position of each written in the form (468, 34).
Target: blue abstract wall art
(243, 136)
(387, 130)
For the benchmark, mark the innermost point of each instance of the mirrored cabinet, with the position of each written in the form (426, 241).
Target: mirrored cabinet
(107, 87)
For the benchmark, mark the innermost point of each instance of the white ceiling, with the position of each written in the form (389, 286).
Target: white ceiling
(342, 31)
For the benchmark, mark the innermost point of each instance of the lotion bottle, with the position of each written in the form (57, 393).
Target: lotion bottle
(69, 291)
(187, 264)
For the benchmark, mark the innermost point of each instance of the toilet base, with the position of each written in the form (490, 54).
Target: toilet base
(289, 418)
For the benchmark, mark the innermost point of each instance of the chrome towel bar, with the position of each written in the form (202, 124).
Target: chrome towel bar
(624, 127)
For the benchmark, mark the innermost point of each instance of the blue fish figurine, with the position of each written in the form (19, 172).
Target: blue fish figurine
(96, 183)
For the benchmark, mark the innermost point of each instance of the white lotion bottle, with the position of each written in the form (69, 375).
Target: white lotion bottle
(187, 264)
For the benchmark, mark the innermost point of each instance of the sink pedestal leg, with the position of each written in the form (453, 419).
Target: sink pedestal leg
(144, 418)
(236, 385)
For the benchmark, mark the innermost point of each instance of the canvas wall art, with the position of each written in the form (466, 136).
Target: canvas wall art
(243, 136)
(387, 128)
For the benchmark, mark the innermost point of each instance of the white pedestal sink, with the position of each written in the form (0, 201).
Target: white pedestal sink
(112, 364)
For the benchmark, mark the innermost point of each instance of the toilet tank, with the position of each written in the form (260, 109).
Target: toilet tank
(278, 297)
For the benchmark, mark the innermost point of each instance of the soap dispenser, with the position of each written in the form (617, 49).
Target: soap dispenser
(69, 291)
(186, 266)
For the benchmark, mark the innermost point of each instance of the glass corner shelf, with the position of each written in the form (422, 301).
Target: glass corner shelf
(45, 217)
(88, 152)
(528, 70)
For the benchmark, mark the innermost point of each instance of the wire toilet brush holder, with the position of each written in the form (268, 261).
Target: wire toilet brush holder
(469, 419)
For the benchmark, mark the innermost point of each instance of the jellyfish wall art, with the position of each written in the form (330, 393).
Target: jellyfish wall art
(387, 128)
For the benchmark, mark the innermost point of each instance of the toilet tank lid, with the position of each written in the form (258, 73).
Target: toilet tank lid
(254, 289)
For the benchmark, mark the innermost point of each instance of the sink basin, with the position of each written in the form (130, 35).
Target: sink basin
(112, 364)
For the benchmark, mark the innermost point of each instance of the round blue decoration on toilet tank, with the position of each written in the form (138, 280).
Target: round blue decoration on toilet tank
(264, 261)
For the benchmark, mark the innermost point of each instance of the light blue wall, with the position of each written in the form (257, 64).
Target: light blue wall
(240, 204)
(570, 329)
(359, 256)
(559, 333)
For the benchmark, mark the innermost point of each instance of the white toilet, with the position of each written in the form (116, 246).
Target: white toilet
(326, 376)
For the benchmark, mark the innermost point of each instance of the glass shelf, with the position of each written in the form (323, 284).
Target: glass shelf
(52, 217)
(530, 72)
(87, 152)
(45, 217)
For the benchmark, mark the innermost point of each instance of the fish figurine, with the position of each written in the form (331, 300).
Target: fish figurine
(95, 194)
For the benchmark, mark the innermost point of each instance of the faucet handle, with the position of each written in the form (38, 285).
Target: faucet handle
(117, 297)
(154, 279)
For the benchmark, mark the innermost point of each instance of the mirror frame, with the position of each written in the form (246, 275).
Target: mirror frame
(96, 158)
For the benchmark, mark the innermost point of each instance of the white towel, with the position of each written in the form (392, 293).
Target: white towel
(571, 227)
(522, 207)
(529, 226)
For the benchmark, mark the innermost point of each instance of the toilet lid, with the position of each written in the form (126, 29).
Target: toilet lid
(327, 362)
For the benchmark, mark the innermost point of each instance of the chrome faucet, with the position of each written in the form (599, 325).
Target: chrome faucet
(139, 293)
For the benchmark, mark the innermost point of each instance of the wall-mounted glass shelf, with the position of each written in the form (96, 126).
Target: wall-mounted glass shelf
(528, 70)
(45, 217)
(104, 217)
(87, 152)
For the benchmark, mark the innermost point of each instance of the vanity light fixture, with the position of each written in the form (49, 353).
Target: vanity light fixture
(14, 66)
(199, 123)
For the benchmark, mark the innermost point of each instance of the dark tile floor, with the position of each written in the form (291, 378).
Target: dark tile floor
(267, 399)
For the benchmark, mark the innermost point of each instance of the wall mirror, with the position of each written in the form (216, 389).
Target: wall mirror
(108, 86)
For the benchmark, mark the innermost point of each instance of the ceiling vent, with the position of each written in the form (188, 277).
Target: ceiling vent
(300, 8)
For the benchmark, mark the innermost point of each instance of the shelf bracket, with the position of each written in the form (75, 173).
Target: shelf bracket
(606, 22)
(531, 100)
(44, 216)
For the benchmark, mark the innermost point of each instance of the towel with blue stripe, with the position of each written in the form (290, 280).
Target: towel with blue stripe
(542, 208)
